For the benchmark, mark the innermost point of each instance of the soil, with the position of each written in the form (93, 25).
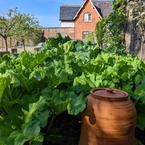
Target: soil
(65, 130)
(140, 135)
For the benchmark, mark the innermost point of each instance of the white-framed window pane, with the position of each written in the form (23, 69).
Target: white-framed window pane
(87, 17)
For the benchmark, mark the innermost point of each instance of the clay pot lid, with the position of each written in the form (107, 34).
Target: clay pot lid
(109, 94)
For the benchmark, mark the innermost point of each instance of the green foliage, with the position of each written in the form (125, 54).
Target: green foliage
(137, 142)
(35, 88)
(90, 37)
(7, 24)
(110, 30)
(26, 28)
(54, 42)
(19, 26)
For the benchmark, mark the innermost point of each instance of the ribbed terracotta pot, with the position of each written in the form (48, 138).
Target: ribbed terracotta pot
(109, 119)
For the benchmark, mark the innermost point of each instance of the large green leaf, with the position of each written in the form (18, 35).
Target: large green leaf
(77, 105)
(35, 87)
(3, 84)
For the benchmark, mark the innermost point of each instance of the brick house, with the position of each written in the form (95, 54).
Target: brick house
(77, 21)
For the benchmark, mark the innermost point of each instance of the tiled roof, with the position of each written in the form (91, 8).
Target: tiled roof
(67, 12)
(103, 7)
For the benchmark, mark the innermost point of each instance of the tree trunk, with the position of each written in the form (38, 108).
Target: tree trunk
(10, 42)
(134, 37)
(6, 43)
(23, 41)
(130, 36)
(2, 43)
(142, 55)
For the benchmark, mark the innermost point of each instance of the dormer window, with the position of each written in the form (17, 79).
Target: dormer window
(87, 17)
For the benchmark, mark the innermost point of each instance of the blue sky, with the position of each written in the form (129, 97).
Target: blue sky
(47, 11)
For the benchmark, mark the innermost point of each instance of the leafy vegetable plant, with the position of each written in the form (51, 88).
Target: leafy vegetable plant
(36, 88)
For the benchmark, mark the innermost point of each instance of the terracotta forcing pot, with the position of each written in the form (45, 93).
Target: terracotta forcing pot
(109, 119)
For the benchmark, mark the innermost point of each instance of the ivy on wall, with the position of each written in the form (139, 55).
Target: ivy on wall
(110, 31)
(124, 28)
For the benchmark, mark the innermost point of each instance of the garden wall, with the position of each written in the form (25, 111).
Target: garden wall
(52, 31)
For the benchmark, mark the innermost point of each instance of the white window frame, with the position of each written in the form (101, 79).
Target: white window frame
(87, 17)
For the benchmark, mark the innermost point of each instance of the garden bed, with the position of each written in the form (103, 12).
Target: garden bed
(66, 129)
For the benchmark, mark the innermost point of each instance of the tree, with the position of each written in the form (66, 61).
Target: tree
(135, 28)
(7, 24)
(27, 28)
(110, 30)
(124, 28)
(19, 26)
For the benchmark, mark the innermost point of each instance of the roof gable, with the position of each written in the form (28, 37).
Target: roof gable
(85, 2)
(71, 12)
(104, 7)
(68, 12)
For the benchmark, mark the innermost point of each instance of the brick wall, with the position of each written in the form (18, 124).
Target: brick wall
(80, 25)
(11, 43)
(52, 31)
(1, 43)
(48, 32)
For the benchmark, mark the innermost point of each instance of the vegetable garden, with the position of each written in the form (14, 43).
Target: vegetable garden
(43, 94)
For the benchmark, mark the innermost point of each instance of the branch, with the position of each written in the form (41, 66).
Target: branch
(11, 26)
